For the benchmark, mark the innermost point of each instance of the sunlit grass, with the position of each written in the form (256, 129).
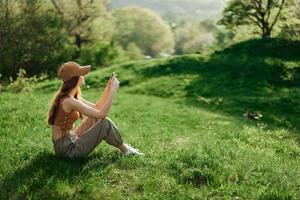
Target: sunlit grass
(190, 153)
(186, 114)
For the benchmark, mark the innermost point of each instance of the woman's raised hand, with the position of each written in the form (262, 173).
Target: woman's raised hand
(114, 82)
(110, 79)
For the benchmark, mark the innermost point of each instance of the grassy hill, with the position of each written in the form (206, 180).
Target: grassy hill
(185, 113)
(253, 75)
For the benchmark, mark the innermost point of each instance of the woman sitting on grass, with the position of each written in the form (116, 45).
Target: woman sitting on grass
(68, 106)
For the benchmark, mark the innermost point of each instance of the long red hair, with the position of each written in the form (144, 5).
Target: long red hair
(63, 91)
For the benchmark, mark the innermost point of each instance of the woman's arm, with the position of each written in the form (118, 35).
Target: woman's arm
(87, 102)
(101, 100)
(86, 110)
(99, 104)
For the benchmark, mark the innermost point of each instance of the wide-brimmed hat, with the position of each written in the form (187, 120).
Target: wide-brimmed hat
(70, 69)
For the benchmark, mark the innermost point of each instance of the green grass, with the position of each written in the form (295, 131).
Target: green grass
(196, 147)
(190, 153)
(253, 75)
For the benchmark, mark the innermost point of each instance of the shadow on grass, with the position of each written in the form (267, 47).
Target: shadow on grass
(45, 172)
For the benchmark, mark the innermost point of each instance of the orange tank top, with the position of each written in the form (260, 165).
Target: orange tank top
(63, 119)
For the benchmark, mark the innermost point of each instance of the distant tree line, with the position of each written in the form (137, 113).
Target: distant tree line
(39, 35)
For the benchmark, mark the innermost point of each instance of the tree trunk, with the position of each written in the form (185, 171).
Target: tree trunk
(265, 36)
(266, 32)
(78, 43)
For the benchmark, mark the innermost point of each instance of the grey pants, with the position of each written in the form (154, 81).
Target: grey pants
(71, 146)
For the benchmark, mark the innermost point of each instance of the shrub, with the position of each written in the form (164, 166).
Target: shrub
(32, 36)
(23, 83)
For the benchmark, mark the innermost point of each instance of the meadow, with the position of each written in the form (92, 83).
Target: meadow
(186, 114)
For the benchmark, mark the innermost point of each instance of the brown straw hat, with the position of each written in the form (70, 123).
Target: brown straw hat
(71, 69)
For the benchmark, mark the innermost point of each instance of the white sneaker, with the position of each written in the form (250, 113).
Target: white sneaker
(131, 150)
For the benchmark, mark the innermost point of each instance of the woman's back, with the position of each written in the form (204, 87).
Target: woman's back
(64, 121)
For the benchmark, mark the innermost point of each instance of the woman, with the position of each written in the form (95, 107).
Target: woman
(68, 106)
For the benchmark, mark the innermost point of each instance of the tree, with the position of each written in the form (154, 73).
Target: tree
(192, 37)
(31, 37)
(145, 29)
(261, 13)
(290, 28)
(78, 17)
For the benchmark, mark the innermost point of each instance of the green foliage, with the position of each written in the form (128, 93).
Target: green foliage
(144, 28)
(192, 37)
(23, 83)
(261, 14)
(32, 37)
(103, 50)
(80, 18)
(290, 27)
(105, 55)
(134, 52)
(209, 25)
(223, 38)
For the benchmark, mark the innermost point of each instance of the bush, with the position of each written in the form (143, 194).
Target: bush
(33, 37)
(102, 54)
(134, 52)
(23, 83)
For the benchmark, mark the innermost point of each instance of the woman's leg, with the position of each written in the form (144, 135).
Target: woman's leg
(85, 125)
(102, 130)
(88, 123)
